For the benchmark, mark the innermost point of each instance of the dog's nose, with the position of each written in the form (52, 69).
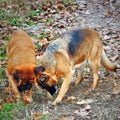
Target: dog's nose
(53, 90)
(24, 88)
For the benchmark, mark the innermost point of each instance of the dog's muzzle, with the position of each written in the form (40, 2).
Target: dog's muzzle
(51, 89)
(24, 88)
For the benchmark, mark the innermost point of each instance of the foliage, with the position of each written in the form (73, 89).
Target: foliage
(10, 109)
(2, 14)
(33, 13)
(45, 117)
(3, 53)
(6, 37)
(2, 69)
(44, 35)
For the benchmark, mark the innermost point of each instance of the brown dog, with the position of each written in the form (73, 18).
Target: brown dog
(21, 64)
(68, 53)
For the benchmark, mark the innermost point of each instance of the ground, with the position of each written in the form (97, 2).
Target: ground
(80, 102)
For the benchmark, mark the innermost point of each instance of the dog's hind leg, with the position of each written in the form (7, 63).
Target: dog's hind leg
(95, 59)
(95, 64)
(79, 75)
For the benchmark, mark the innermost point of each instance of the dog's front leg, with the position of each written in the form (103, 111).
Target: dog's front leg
(14, 87)
(64, 88)
(27, 97)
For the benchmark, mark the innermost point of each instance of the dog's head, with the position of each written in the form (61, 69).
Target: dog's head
(25, 78)
(47, 80)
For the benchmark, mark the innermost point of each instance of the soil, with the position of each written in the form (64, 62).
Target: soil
(80, 102)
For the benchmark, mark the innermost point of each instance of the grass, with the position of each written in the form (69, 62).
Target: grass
(2, 75)
(66, 2)
(38, 46)
(44, 35)
(25, 16)
(45, 117)
(48, 21)
(10, 109)
(15, 20)
(3, 14)
(6, 37)
(33, 13)
(3, 54)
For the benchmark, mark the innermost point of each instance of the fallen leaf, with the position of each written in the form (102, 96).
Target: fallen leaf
(82, 102)
(67, 118)
(83, 112)
(10, 100)
(51, 38)
(1, 103)
(60, 6)
(106, 37)
(116, 90)
(71, 98)
(37, 116)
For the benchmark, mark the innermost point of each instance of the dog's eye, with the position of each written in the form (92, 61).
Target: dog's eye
(44, 78)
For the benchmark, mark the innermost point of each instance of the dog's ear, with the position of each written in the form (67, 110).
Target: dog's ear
(39, 69)
(16, 76)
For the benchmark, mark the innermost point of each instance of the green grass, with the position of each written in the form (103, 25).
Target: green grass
(3, 53)
(6, 37)
(10, 109)
(38, 46)
(2, 14)
(44, 35)
(66, 1)
(48, 21)
(33, 13)
(29, 22)
(2, 75)
(45, 117)
(15, 20)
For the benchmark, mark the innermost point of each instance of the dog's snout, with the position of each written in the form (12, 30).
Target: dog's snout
(52, 89)
(24, 88)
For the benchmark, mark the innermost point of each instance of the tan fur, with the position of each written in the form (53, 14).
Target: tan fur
(21, 57)
(62, 64)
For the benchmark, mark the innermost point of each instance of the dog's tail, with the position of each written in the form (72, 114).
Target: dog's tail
(107, 63)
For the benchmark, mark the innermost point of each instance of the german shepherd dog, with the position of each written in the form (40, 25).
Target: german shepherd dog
(21, 64)
(68, 53)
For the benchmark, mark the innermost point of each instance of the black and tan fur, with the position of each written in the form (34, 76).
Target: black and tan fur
(68, 53)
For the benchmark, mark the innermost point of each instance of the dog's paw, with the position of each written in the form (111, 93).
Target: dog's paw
(56, 101)
(27, 100)
(93, 87)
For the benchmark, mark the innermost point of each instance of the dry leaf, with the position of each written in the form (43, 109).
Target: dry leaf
(1, 103)
(71, 98)
(51, 38)
(83, 112)
(60, 6)
(67, 118)
(106, 37)
(10, 100)
(37, 116)
(82, 102)
(116, 90)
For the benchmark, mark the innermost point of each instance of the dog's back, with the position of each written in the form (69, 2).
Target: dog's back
(80, 44)
(21, 50)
